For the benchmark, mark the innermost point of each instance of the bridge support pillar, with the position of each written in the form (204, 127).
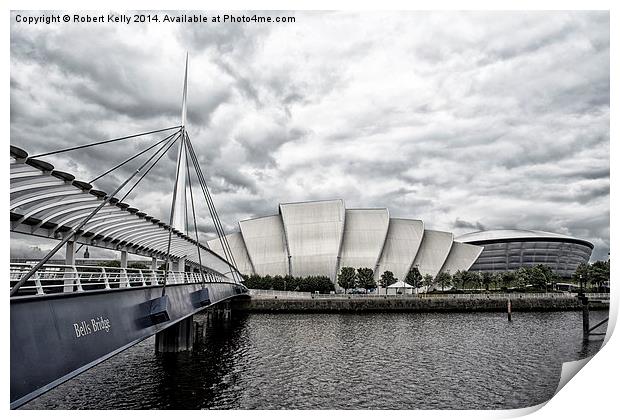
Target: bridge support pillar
(124, 281)
(219, 312)
(176, 338)
(70, 275)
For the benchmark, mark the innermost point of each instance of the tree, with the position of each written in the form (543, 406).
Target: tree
(522, 277)
(428, 281)
(111, 263)
(458, 279)
(471, 279)
(138, 266)
(444, 280)
(497, 280)
(538, 277)
(346, 278)
(582, 274)
(414, 277)
(509, 278)
(599, 273)
(486, 280)
(365, 279)
(387, 278)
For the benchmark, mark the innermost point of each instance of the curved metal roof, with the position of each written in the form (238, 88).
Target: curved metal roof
(505, 235)
(48, 203)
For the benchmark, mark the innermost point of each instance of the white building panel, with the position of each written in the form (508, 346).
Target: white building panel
(365, 231)
(265, 244)
(401, 245)
(462, 257)
(313, 234)
(239, 252)
(433, 252)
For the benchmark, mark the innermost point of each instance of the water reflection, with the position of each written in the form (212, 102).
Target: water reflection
(298, 361)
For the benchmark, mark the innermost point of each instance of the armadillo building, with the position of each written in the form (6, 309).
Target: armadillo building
(320, 237)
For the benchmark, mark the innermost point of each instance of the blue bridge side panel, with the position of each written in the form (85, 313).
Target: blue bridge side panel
(55, 337)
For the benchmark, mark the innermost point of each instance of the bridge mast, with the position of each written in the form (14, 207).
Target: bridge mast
(179, 220)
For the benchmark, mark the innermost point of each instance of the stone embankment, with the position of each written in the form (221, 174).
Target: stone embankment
(264, 302)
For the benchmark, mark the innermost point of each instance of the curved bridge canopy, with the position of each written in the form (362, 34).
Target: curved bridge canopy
(48, 203)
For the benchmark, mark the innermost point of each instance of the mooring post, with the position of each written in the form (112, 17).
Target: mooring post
(585, 311)
(509, 311)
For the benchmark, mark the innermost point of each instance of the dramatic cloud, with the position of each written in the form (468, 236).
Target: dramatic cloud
(464, 120)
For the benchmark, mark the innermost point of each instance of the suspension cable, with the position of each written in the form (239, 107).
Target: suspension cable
(191, 195)
(218, 225)
(69, 149)
(229, 257)
(174, 200)
(168, 146)
(79, 226)
(132, 158)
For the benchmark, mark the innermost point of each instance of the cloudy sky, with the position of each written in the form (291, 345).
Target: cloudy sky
(467, 121)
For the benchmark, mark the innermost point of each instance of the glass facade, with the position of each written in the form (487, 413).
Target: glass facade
(562, 256)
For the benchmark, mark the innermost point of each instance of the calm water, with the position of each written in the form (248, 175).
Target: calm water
(321, 361)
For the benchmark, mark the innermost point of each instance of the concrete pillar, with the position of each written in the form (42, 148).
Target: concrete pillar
(70, 253)
(124, 279)
(181, 269)
(154, 268)
(70, 274)
(176, 338)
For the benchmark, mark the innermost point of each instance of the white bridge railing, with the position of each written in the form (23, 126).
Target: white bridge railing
(56, 278)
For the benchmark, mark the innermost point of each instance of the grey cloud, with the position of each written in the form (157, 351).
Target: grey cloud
(464, 120)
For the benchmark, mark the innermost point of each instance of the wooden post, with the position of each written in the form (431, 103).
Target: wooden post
(509, 311)
(585, 308)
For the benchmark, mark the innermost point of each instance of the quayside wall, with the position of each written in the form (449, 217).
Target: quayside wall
(429, 303)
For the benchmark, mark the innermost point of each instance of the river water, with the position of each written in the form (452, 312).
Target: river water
(342, 361)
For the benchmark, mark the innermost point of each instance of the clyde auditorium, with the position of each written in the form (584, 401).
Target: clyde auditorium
(320, 237)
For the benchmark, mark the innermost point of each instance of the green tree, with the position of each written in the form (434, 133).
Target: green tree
(522, 277)
(599, 273)
(138, 266)
(387, 278)
(471, 279)
(111, 263)
(509, 278)
(346, 278)
(582, 274)
(486, 279)
(414, 277)
(538, 277)
(458, 279)
(444, 280)
(428, 281)
(497, 280)
(365, 279)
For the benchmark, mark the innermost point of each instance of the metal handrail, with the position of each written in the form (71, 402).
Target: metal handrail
(59, 278)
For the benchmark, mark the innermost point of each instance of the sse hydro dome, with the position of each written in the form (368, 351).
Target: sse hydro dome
(508, 250)
(320, 237)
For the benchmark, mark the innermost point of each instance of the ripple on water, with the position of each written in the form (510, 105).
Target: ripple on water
(342, 361)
